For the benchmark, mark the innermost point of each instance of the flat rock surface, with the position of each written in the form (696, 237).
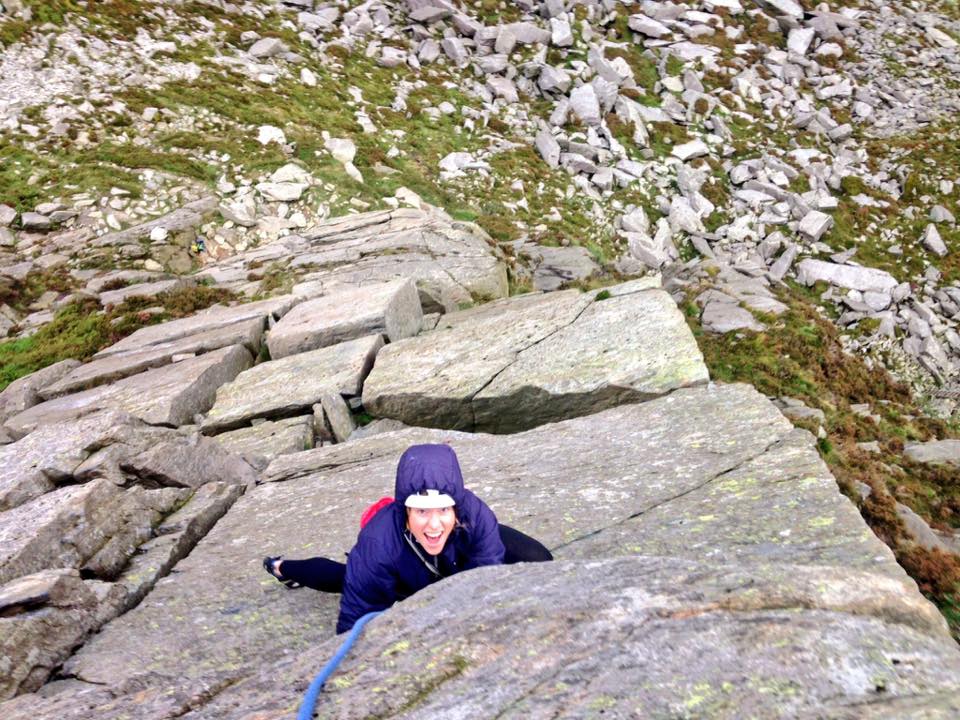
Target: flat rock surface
(392, 309)
(281, 387)
(267, 440)
(216, 317)
(246, 332)
(764, 631)
(452, 263)
(507, 366)
(170, 395)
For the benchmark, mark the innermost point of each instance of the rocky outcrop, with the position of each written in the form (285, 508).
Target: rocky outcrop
(700, 531)
(518, 363)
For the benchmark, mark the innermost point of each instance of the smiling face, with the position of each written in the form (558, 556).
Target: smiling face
(431, 527)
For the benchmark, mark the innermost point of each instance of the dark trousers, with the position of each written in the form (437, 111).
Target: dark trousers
(327, 575)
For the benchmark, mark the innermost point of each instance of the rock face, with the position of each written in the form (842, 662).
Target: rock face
(522, 362)
(743, 609)
(169, 395)
(284, 387)
(392, 309)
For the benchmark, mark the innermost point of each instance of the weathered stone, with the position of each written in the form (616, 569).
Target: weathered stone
(647, 26)
(25, 392)
(932, 241)
(690, 150)
(337, 415)
(267, 47)
(188, 217)
(451, 262)
(114, 367)
(815, 224)
(216, 317)
(548, 147)
(190, 462)
(724, 317)
(96, 525)
(558, 265)
(264, 441)
(935, 452)
(851, 277)
(750, 573)
(53, 454)
(283, 387)
(142, 290)
(392, 309)
(584, 103)
(43, 616)
(514, 364)
(170, 395)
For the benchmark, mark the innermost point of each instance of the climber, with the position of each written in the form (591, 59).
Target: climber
(432, 528)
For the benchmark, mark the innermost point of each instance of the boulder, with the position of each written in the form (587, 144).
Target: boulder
(43, 616)
(261, 443)
(392, 309)
(109, 368)
(934, 452)
(189, 462)
(337, 416)
(293, 384)
(25, 392)
(852, 277)
(555, 266)
(529, 360)
(213, 318)
(170, 395)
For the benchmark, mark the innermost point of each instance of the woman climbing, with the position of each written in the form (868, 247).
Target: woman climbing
(432, 528)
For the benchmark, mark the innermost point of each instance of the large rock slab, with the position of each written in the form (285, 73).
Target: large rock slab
(74, 527)
(758, 631)
(452, 263)
(281, 388)
(527, 361)
(392, 309)
(214, 318)
(109, 368)
(852, 277)
(39, 462)
(264, 441)
(170, 395)
(25, 392)
(935, 452)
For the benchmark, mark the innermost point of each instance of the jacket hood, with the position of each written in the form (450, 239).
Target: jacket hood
(429, 467)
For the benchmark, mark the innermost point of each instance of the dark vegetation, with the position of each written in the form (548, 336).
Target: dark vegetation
(81, 329)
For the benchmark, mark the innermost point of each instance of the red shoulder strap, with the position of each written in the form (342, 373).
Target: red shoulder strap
(373, 510)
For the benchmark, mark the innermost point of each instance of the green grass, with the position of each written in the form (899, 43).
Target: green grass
(81, 329)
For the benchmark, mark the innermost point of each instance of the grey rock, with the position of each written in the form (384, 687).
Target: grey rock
(46, 614)
(554, 80)
(377, 427)
(7, 215)
(170, 395)
(790, 8)
(25, 392)
(724, 317)
(143, 290)
(217, 317)
(294, 383)
(392, 309)
(846, 276)
(35, 221)
(934, 452)
(798, 410)
(455, 50)
(267, 47)
(337, 415)
(189, 463)
(782, 264)
(918, 529)
(648, 26)
(561, 34)
(242, 211)
(54, 454)
(815, 225)
(508, 365)
(584, 103)
(932, 241)
(120, 365)
(799, 39)
(752, 559)
(558, 265)
(548, 148)
(690, 150)
(939, 214)
(261, 443)
(188, 217)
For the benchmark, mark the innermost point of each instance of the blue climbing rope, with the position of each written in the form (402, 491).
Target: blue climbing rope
(313, 692)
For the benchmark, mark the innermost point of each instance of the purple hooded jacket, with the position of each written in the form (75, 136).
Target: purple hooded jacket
(383, 568)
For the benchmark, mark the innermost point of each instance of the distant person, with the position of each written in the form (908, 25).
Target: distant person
(432, 528)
